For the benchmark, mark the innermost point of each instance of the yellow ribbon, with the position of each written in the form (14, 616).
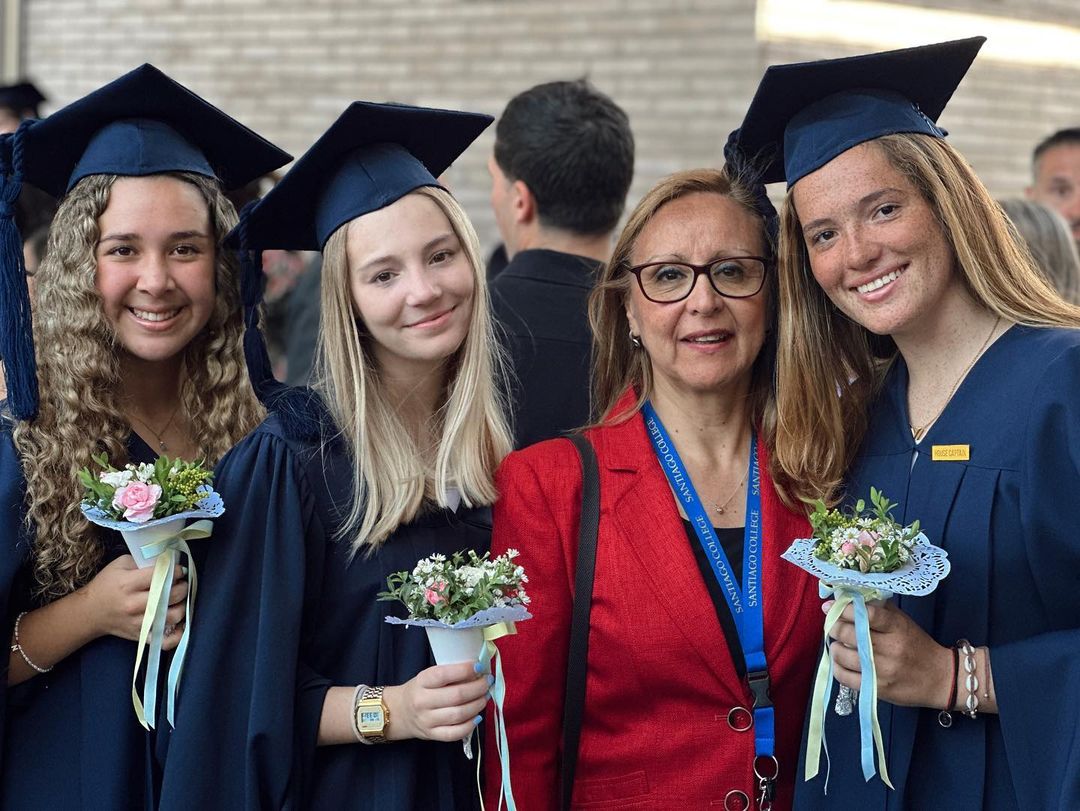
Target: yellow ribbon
(152, 632)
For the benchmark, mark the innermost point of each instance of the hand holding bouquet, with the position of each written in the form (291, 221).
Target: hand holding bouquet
(150, 504)
(465, 604)
(859, 555)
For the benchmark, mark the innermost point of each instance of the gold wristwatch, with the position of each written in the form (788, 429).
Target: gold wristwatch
(370, 715)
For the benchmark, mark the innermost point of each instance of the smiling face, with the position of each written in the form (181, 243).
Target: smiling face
(875, 246)
(155, 265)
(705, 342)
(412, 285)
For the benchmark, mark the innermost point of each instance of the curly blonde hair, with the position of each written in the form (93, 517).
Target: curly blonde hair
(79, 382)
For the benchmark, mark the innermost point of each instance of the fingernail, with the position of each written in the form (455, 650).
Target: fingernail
(479, 667)
(491, 680)
(478, 719)
(183, 570)
(825, 606)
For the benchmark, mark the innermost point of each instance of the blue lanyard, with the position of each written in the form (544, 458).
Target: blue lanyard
(745, 599)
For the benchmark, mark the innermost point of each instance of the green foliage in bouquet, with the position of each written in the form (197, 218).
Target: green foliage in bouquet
(870, 542)
(454, 590)
(145, 491)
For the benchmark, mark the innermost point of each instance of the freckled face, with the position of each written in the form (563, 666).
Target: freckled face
(875, 245)
(411, 283)
(705, 342)
(155, 265)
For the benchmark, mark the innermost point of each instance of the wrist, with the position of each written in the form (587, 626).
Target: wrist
(393, 698)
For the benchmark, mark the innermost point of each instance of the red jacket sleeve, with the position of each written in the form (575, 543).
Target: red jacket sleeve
(537, 514)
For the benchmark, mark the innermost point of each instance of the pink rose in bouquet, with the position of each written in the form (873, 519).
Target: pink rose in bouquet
(137, 500)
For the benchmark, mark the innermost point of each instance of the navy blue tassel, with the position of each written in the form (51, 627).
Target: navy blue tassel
(299, 409)
(16, 329)
(252, 286)
(745, 168)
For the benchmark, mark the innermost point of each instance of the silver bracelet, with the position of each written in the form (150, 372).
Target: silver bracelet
(352, 721)
(971, 680)
(16, 647)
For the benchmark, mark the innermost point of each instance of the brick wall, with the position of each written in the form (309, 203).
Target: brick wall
(683, 69)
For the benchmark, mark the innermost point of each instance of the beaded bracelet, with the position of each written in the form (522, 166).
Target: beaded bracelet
(971, 680)
(945, 716)
(16, 647)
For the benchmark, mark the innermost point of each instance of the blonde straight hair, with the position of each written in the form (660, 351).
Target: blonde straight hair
(823, 354)
(391, 481)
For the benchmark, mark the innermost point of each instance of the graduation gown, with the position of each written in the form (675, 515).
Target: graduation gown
(70, 737)
(1007, 518)
(284, 613)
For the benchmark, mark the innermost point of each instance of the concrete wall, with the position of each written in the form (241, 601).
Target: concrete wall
(683, 69)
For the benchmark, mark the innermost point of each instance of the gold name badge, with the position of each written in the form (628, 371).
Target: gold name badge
(951, 453)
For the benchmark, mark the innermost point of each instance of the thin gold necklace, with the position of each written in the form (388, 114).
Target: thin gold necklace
(919, 432)
(161, 442)
(719, 508)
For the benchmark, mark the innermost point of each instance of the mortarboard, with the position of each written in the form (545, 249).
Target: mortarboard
(371, 156)
(142, 123)
(805, 114)
(21, 96)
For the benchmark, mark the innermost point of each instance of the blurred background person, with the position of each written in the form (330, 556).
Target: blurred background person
(1050, 242)
(17, 103)
(561, 168)
(1055, 169)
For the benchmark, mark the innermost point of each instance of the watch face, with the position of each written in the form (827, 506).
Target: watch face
(370, 720)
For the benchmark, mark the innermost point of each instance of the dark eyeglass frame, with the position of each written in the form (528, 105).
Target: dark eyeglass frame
(699, 270)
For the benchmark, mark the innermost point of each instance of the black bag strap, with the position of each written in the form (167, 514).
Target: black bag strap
(578, 653)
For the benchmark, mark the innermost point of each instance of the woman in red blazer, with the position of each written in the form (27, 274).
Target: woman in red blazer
(667, 720)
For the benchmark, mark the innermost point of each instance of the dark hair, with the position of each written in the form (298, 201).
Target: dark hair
(572, 146)
(1069, 135)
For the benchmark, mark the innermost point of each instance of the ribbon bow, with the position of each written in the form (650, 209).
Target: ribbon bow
(490, 654)
(869, 726)
(166, 552)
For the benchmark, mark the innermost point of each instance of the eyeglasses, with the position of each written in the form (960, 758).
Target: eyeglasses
(731, 277)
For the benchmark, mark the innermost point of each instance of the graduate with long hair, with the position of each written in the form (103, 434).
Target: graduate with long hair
(138, 346)
(389, 460)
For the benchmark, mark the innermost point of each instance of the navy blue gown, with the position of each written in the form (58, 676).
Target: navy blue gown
(70, 737)
(283, 614)
(1009, 520)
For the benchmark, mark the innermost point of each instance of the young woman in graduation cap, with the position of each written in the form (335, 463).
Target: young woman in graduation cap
(138, 336)
(959, 375)
(389, 461)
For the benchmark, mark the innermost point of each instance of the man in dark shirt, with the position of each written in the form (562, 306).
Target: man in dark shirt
(562, 165)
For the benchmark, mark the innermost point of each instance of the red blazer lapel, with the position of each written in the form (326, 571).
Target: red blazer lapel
(636, 494)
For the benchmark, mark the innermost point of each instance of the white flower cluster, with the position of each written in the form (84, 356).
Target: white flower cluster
(870, 545)
(142, 472)
(455, 589)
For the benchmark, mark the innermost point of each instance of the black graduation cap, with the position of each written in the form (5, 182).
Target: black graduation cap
(143, 123)
(373, 155)
(804, 115)
(21, 96)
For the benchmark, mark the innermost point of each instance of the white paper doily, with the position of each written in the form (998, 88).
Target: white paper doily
(489, 616)
(209, 506)
(928, 566)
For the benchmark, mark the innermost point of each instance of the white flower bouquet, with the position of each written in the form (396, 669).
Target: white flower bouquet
(465, 604)
(857, 556)
(150, 505)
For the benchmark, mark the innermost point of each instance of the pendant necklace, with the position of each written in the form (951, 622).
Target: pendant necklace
(918, 432)
(719, 508)
(158, 434)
